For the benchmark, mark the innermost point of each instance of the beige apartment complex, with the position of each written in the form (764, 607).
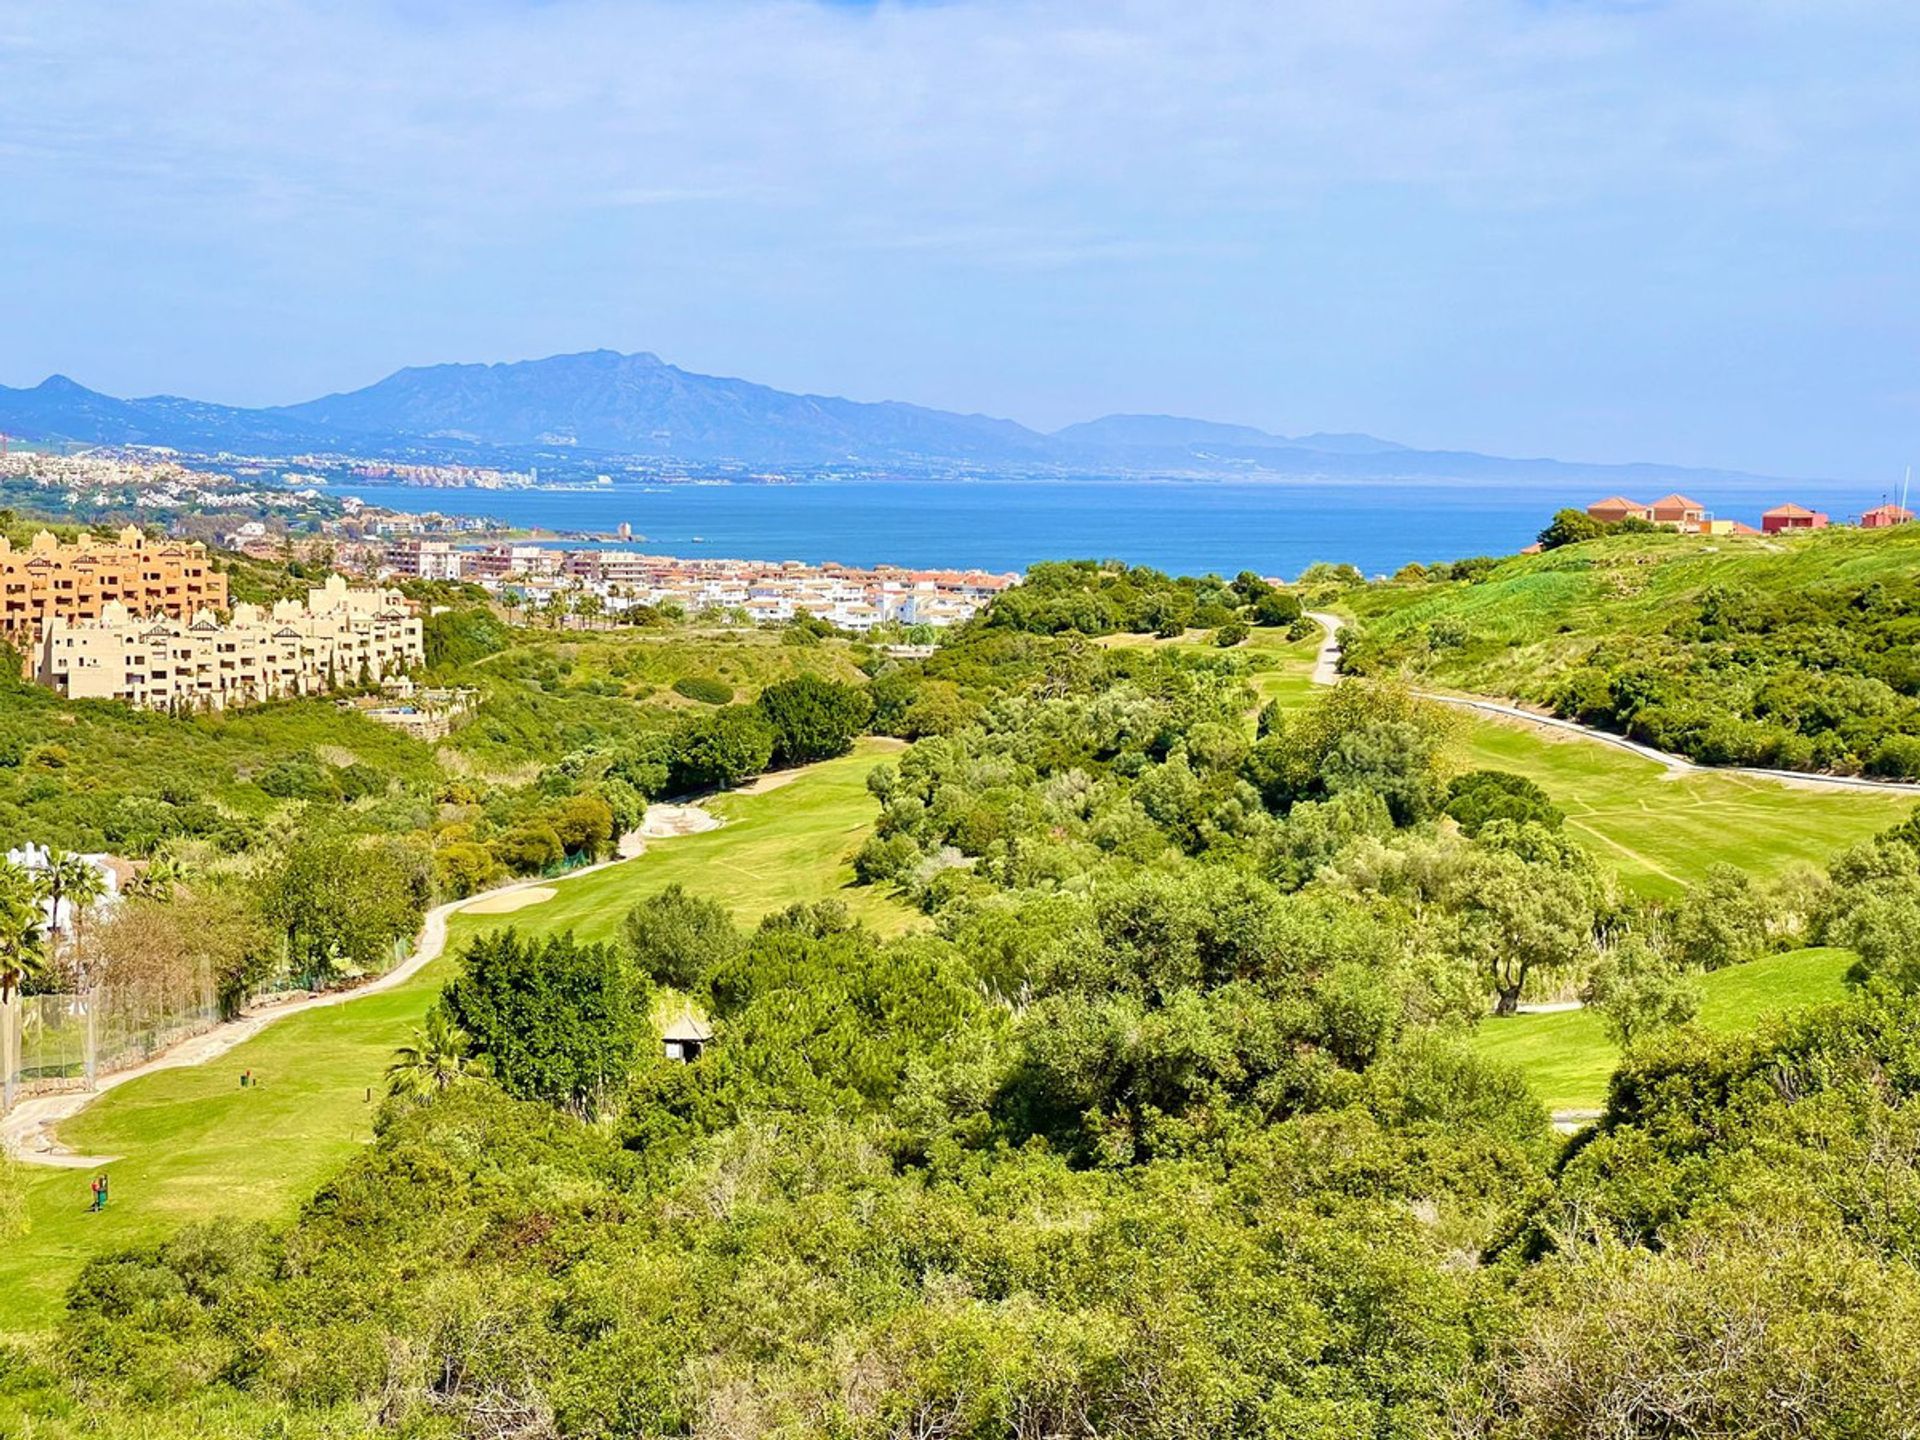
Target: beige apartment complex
(338, 637)
(77, 581)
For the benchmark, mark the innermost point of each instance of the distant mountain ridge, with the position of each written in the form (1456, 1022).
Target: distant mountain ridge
(602, 402)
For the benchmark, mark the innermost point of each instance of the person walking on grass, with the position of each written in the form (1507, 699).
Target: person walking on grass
(99, 1188)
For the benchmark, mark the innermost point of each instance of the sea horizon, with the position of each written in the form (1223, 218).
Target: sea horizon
(1183, 526)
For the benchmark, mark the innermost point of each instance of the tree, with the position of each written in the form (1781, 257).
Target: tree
(151, 953)
(1231, 633)
(721, 748)
(439, 1056)
(464, 868)
(1481, 796)
(812, 718)
(1514, 919)
(1637, 990)
(1359, 736)
(343, 903)
(1275, 607)
(1570, 527)
(675, 938)
(23, 929)
(1722, 921)
(584, 825)
(22, 959)
(530, 849)
(557, 1020)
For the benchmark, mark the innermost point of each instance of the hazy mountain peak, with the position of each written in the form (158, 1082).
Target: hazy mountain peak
(638, 405)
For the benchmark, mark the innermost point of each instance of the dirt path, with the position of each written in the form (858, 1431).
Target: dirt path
(1326, 671)
(27, 1131)
(1326, 663)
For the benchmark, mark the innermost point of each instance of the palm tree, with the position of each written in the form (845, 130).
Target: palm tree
(23, 920)
(84, 886)
(158, 880)
(440, 1057)
(75, 883)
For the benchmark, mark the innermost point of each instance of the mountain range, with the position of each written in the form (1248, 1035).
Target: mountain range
(603, 403)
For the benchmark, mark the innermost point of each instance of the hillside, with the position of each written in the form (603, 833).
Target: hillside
(1795, 652)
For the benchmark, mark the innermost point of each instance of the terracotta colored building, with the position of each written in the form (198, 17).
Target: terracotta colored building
(1615, 508)
(1679, 512)
(1881, 516)
(78, 581)
(1791, 517)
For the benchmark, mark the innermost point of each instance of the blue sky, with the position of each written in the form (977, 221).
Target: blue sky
(1681, 231)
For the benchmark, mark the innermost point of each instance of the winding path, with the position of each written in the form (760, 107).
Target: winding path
(1326, 666)
(26, 1131)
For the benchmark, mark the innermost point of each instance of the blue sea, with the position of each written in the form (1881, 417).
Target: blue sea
(1182, 526)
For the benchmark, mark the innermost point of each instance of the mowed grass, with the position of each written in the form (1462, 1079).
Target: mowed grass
(1277, 668)
(1661, 829)
(788, 844)
(1568, 1057)
(193, 1144)
(1658, 829)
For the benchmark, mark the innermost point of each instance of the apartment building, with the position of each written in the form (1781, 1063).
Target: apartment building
(424, 559)
(339, 636)
(77, 581)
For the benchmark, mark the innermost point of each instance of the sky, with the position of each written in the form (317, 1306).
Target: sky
(1686, 231)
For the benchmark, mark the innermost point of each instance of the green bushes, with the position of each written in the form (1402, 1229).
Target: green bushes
(1795, 657)
(557, 1021)
(705, 688)
(813, 719)
(1481, 796)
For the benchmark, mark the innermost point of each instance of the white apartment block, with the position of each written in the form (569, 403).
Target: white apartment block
(338, 637)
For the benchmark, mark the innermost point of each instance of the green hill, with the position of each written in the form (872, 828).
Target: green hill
(1788, 651)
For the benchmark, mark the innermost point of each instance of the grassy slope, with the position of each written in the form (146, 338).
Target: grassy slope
(1536, 614)
(1278, 668)
(1568, 1057)
(76, 757)
(195, 1145)
(1658, 830)
(1661, 830)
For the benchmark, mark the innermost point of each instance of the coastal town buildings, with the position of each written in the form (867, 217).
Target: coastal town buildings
(850, 597)
(339, 636)
(77, 580)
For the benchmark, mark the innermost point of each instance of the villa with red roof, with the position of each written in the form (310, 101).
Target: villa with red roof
(1882, 516)
(1679, 512)
(1791, 517)
(1615, 508)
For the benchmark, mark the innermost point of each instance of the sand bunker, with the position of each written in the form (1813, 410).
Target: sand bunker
(508, 901)
(663, 822)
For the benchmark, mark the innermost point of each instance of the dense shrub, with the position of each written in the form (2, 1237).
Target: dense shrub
(813, 719)
(557, 1020)
(707, 689)
(1480, 796)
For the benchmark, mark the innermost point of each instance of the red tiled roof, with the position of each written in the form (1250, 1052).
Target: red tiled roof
(1789, 511)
